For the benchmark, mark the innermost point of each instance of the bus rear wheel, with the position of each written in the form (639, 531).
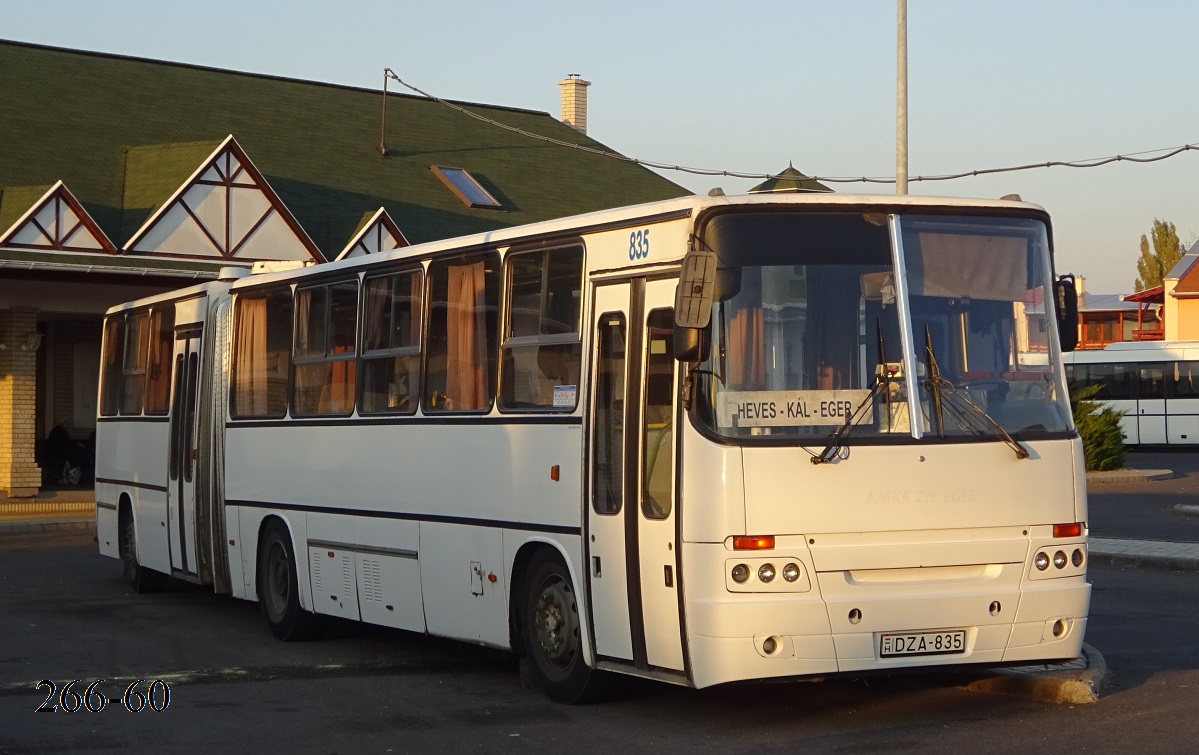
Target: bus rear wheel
(552, 635)
(140, 578)
(278, 588)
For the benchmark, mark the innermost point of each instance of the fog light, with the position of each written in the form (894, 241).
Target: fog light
(1059, 628)
(1041, 561)
(769, 645)
(791, 572)
(1077, 558)
(1059, 559)
(740, 573)
(766, 572)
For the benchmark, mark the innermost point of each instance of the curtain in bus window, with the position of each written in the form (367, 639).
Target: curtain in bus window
(988, 267)
(114, 345)
(250, 378)
(747, 350)
(466, 337)
(158, 388)
(137, 344)
(311, 378)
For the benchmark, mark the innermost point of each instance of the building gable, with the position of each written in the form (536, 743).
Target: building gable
(57, 222)
(377, 234)
(225, 209)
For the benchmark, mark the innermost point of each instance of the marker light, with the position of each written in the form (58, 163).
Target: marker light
(1059, 559)
(766, 572)
(1073, 529)
(1076, 558)
(791, 572)
(1041, 561)
(753, 542)
(740, 573)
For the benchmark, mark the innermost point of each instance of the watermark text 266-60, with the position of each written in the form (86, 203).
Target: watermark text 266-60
(157, 697)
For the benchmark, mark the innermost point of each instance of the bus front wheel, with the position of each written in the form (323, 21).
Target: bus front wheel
(553, 636)
(278, 588)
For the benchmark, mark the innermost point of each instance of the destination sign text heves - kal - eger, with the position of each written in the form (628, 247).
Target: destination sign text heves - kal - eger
(787, 408)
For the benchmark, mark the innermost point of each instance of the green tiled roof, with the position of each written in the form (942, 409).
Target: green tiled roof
(153, 173)
(15, 201)
(123, 133)
(789, 180)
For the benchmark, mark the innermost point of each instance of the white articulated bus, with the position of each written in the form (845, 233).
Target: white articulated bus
(1155, 384)
(702, 440)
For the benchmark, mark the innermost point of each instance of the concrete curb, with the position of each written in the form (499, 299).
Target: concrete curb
(1128, 475)
(49, 524)
(1174, 563)
(1077, 682)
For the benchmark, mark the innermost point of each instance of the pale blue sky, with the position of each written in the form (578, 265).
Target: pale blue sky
(749, 86)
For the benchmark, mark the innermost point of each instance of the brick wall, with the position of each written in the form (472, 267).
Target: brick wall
(19, 473)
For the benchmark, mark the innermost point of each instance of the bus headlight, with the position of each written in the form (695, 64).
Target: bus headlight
(791, 572)
(740, 573)
(1077, 558)
(766, 572)
(1041, 561)
(1059, 559)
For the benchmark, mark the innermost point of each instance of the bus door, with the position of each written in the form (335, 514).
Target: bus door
(1151, 402)
(633, 562)
(181, 486)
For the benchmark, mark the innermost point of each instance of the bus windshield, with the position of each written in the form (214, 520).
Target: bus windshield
(806, 329)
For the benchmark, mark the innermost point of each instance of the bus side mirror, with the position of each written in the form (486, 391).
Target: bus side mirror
(693, 304)
(1066, 299)
(690, 344)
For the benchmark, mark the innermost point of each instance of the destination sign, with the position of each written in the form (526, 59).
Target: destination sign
(787, 408)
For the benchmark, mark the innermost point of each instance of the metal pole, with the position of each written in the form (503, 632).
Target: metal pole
(901, 101)
(383, 120)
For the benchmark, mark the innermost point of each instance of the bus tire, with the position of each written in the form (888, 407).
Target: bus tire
(141, 579)
(278, 588)
(552, 633)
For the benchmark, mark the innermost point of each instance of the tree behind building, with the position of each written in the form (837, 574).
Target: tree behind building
(1152, 266)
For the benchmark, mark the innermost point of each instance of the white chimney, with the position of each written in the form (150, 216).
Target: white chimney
(574, 102)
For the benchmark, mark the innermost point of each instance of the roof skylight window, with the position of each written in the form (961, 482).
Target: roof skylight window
(466, 188)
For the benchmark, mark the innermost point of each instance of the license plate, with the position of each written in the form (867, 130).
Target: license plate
(922, 643)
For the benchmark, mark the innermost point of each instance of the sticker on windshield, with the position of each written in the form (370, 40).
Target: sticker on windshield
(788, 408)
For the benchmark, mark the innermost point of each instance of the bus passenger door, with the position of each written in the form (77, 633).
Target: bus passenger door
(632, 556)
(1151, 403)
(181, 491)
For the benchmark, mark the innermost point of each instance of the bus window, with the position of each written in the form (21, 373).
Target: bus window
(460, 369)
(137, 344)
(261, 346)
(1186, 380)
(162, 345)
(658, 444)
(1151, 381)
(608, 456)
(1115, 379)
(326, 322)
(114, 347)
(542, 348)
(391, 343)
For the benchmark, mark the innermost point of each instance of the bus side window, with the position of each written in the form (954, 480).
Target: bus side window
(460, 371)
(391, 343)
(261, 350)
(162, 346)
(542, 347)
(114, 351)
(326, 327)
(137, 345)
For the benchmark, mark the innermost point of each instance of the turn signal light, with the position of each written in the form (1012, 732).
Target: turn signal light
(753, 542)
(1074, 529)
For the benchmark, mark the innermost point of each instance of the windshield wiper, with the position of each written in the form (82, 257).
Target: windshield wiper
(882, 380)
(945, 395)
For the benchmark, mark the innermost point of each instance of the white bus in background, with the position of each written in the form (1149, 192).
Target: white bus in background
(1155, 384)
(703, 440)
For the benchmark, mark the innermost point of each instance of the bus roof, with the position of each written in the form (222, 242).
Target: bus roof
(633, 214)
